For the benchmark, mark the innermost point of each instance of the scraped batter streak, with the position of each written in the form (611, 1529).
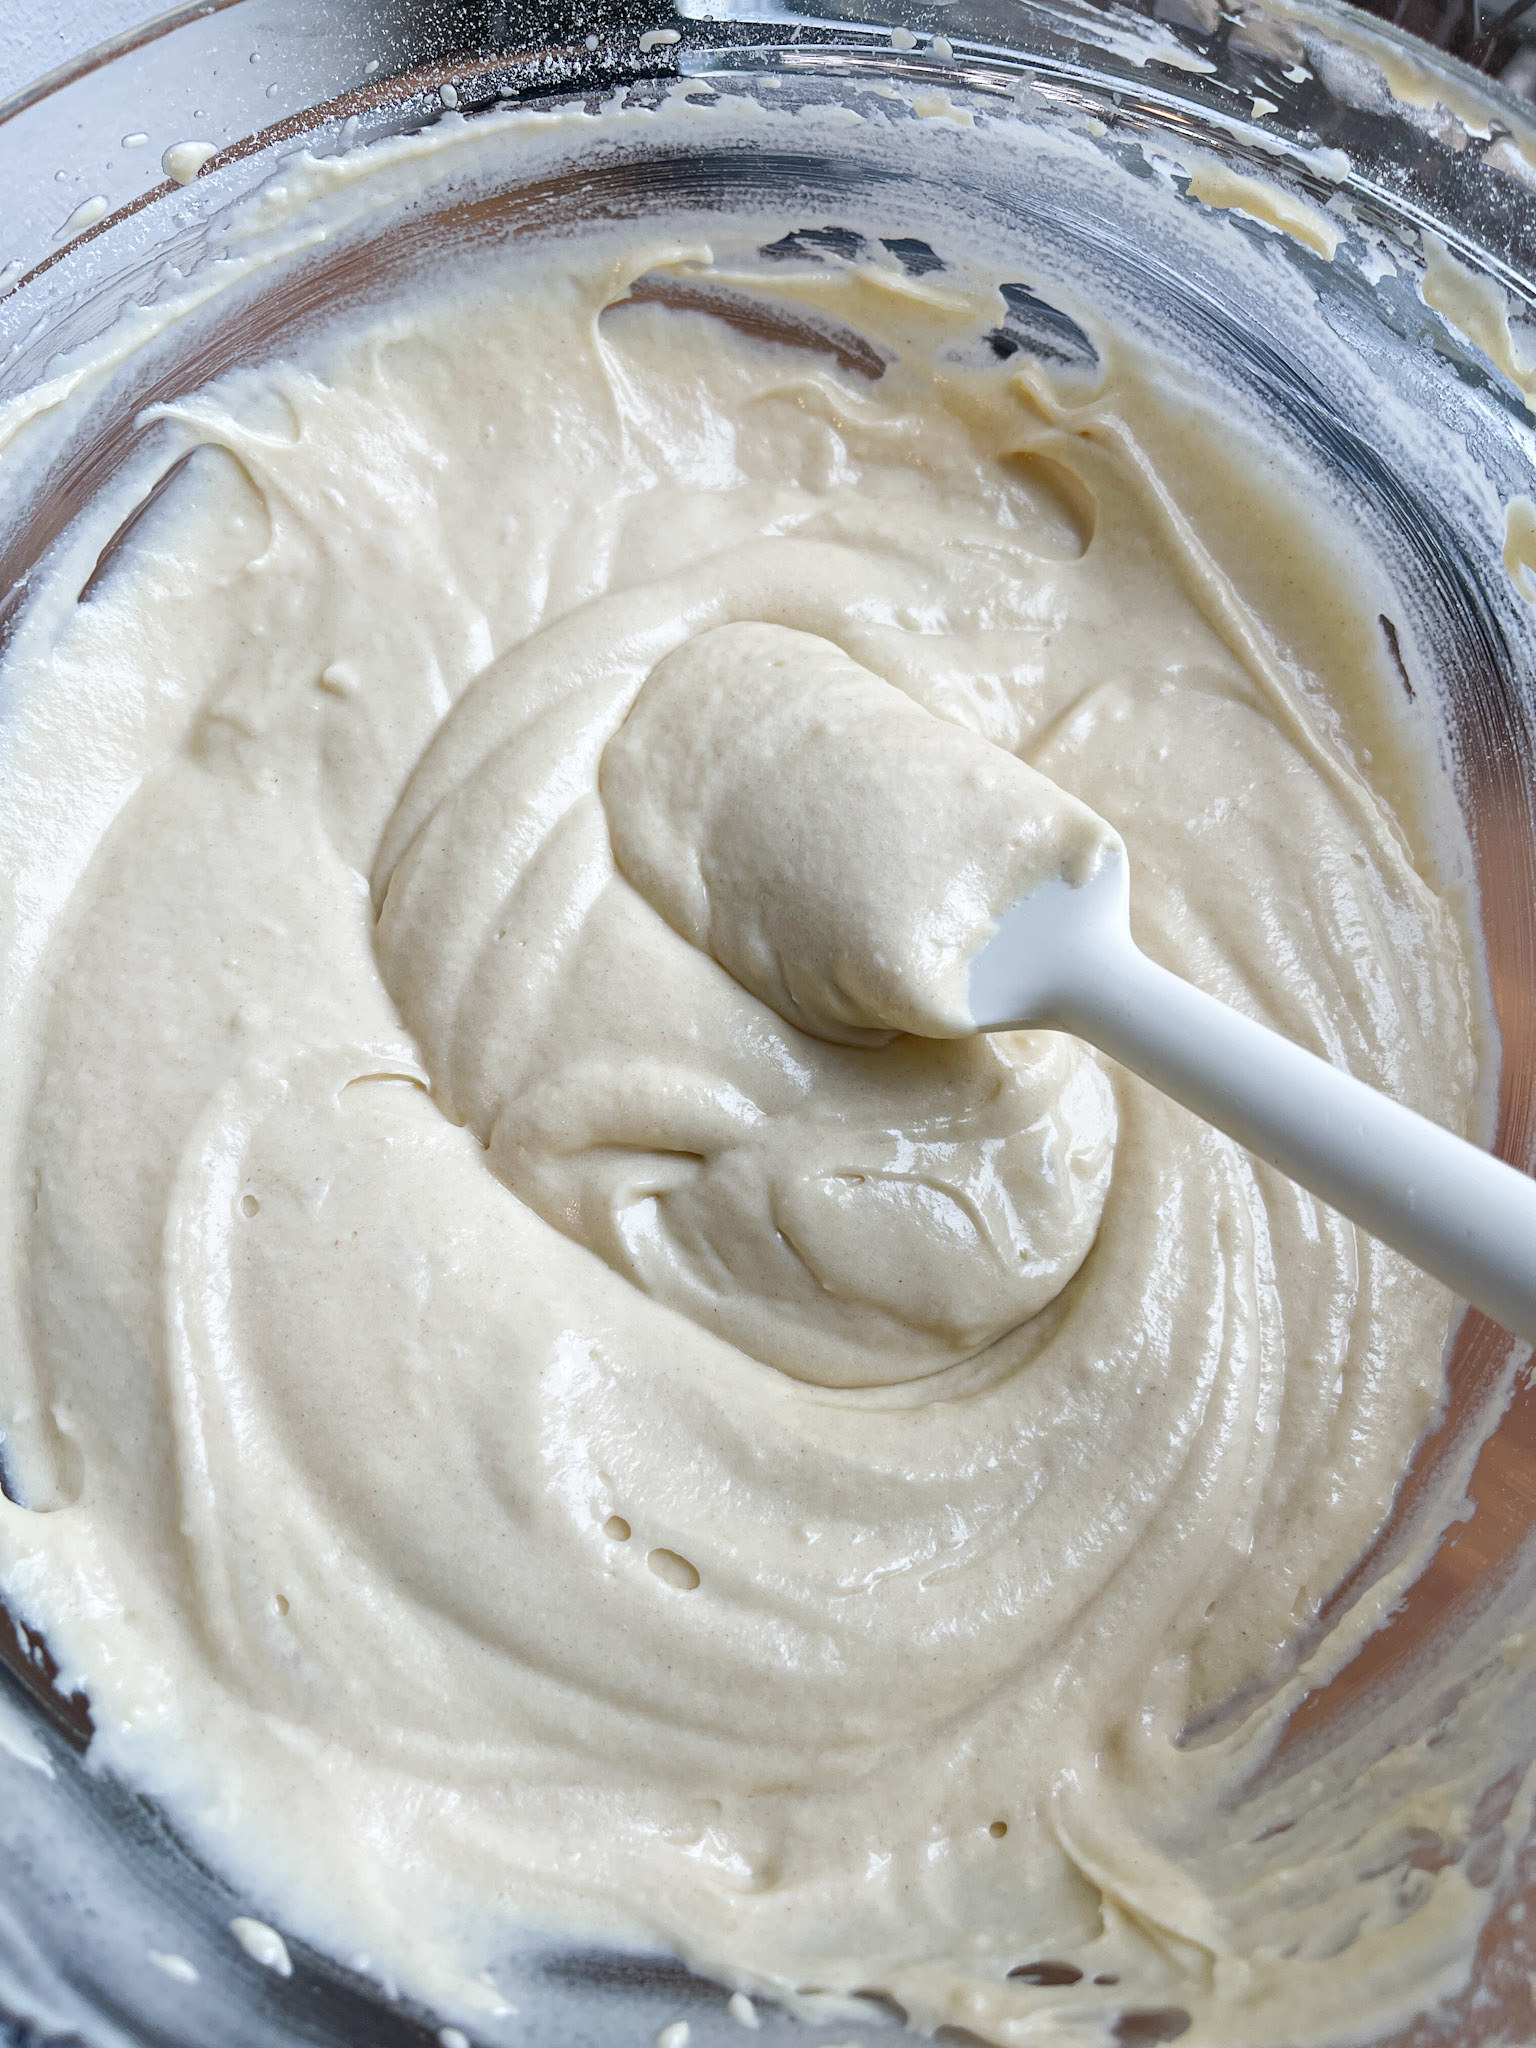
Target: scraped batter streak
(535, 1432)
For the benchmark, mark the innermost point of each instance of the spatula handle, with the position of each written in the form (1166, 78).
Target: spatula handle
(1461, 1214)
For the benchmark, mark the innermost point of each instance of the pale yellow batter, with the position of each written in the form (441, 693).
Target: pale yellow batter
(534, 1434)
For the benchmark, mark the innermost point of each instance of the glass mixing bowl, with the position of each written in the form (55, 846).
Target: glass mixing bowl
(1394, 141)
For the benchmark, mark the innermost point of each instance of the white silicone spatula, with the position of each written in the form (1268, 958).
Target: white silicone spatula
(1064, 957)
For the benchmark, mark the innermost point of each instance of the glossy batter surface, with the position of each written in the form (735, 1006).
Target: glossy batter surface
(533, 1433)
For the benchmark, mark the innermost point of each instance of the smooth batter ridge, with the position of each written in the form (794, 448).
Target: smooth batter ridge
(535, 1434)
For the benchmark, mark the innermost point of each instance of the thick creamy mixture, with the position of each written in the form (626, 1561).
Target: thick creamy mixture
(844, 853)
(554, 1405)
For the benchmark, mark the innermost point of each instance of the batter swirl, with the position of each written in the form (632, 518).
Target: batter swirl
(580, 1440)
